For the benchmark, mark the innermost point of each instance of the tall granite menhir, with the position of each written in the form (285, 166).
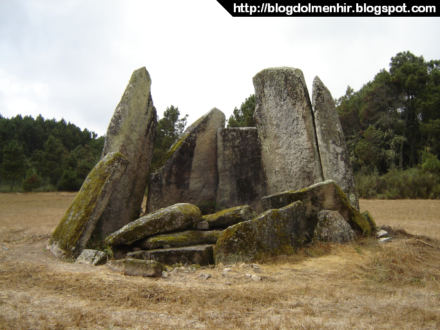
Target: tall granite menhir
(240, 171)
(131, 131)
(188, 172)
(331, 142)
(284, 119)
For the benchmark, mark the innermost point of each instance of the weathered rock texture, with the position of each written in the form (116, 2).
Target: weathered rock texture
(332, 227)
(367, 215)
(173, 218)
(274, 232)
(284, 119)
(131, 131)
(325, 195)
(92, 257)
(229, 217)
(188, 172)
(133, 267)
(240, 170)
(180, 239)
(73, 232)
(201, 255)
(335, 159)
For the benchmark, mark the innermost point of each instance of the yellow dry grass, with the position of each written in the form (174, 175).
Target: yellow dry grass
(364, 285)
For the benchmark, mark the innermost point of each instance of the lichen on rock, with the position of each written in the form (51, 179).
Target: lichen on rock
(275, 232)
(229, 217)
(179, 239)
(325, 195)
(73, 232)
(134, 267)
(180, 216)
(332, 227)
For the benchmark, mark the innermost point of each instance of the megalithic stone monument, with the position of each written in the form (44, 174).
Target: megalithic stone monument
(335, 160)
(188, 173)
(131, 131)
(284, 119)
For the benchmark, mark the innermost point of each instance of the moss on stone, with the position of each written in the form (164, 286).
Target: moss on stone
(69, 231)
(367, 215)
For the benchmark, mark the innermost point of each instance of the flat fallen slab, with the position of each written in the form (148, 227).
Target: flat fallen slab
(180, 239)
(200, 254)
(133, 267)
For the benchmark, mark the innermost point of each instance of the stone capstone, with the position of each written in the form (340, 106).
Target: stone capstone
(75, 228)
(335, 159)
(240, 170)
(173, 218)
(325, 195)
(131, 131)
(180, 239)
(275, 232)
(332, 227)
(133, 267)
(92, 257)
(200, 254)
(188, 172)
(229, 217)
(284, 121)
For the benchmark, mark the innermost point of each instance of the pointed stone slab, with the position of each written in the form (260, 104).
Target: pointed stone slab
(225, 218)
(173, 218)
(274, 232)
(284, 120)
(325, 195)
(335, 159)
(240, 170)
(332, 227)
(200, 255)
(73, 232)
(188, 172)
(131, 131)
(180, 239)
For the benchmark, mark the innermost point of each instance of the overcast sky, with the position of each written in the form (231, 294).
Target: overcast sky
(72, 59)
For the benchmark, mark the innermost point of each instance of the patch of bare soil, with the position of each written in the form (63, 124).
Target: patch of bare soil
(364, 285)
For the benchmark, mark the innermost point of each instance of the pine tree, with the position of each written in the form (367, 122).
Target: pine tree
(13, 166)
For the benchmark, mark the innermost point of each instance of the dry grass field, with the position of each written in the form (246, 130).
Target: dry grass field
(365, 285)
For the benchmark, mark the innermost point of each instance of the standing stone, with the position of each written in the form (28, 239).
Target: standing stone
(73, 232)
(240, 170)
(335, 159)
(188, 172)
(274, 232)
(283, 115)
(131, 131)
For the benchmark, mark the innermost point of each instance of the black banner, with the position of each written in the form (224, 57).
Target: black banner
(337, 9)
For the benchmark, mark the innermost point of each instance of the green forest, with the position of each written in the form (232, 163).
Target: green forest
(391, 126)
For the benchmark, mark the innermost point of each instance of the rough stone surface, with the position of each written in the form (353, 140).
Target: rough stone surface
(92, 257)
(202, 225)
(180, 239)
(332, 227)
(133, 267)
(274, 232)
(73, 232)
(367, 215)
(325, 195)
(173, 218)
(188, 172)
(335, 159)
(200, 254)
(131, 131)
(240, 170)
(229, 217)
(284, 120)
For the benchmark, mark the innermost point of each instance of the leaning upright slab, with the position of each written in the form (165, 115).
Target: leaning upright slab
(73, 232)
(131, 131)
(331, 142)
(283, 115)
(188, 172)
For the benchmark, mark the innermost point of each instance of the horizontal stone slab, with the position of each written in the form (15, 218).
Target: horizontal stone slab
(173, 218)
(92, 257)
(200, 254)
(180, 239)
(229, 217)
(133, 267)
